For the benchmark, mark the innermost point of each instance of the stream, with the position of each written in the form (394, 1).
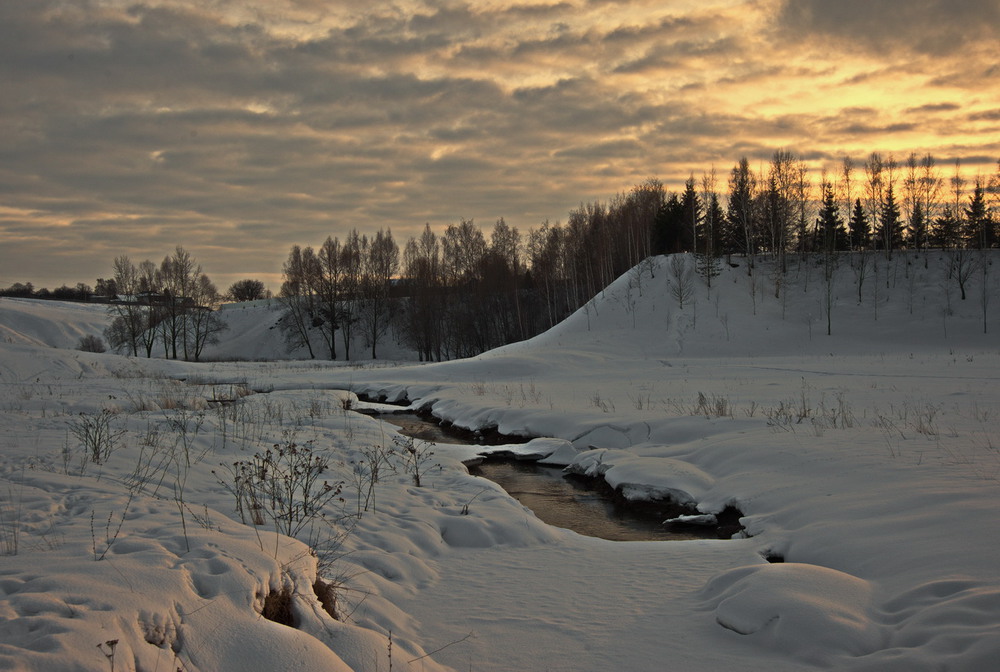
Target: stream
(584, 505)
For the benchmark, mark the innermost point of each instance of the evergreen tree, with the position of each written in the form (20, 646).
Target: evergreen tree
(859, 231)
(830, 224)
(691, 215)
(668, 235)
(946, 231)
(890, 232)
(918, 227)
(980, 230)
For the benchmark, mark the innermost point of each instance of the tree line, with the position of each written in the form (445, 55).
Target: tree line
(462, 292)
(465, 291)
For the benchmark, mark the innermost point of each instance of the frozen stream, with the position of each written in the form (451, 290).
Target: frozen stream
(569, 502)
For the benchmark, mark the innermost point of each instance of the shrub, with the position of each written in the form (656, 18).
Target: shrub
(283, 483)
(91, 343)
(96, 434)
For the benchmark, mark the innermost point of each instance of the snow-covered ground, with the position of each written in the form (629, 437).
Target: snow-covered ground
(868, 460)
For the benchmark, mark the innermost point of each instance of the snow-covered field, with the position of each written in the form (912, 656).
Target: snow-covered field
(868, 460)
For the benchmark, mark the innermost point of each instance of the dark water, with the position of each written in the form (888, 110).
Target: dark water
(573, 504)
(419, 427)
(569, 502)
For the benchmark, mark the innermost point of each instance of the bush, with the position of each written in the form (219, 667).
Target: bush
(284, 484)
(91, 343)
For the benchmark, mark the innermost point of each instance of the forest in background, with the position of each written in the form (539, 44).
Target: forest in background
(465, 291)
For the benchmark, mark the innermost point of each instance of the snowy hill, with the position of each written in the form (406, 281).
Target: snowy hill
(902, 304)
(252, 332)
(910, 301)
(866, 460)
(54, 324)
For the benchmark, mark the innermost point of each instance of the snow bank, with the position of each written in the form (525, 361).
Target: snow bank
(811, 612)
(644, 478)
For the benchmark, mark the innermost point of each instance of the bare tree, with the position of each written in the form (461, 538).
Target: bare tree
(740, 211)
(681, 279)
(985, 266)
(178, 275)
(424, 305)
(381, 263)
(708, 262)
(783, 180)
(247, 290)
(325, 280)
(297, 297)
(125, 331)
(203, 322)
(352, 253)
(502, 280)
(153, 311)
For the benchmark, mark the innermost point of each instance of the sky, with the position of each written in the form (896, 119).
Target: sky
(237, 129)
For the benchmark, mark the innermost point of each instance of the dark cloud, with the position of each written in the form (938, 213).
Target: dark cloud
(936, 107)
(989, 115)
(921, 26)
(237, 129)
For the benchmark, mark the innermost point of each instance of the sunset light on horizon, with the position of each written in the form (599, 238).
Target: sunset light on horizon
(237, 129)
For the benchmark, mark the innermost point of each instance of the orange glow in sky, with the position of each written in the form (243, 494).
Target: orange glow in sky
(237, 129)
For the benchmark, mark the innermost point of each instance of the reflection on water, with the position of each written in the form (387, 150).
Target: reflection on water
(416, 426)
(570, 503)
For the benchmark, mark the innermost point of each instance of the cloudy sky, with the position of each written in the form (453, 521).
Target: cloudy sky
(237, 128)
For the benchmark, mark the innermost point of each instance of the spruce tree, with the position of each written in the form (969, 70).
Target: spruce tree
(830, 224)
(860, 234)
(890, 233)
(945, 233)
(918, 227)
(691, 205)
(979, 227)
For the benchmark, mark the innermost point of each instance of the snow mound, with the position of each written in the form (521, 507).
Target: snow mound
(563, 452)
(121, 581)
(543, 450)
(809, 611)
(644, 478)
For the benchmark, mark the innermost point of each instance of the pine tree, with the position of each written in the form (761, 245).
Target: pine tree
(692, 214)
(830, 224)
(860, 234)
(890, 233)
(668, 235)
(979, 226)
(946, 231)
(918, 227)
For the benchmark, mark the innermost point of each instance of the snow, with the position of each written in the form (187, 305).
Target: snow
(867, 460)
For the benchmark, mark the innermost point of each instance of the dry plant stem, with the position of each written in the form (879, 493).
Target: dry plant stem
(109, 537)
(440, 649)
(284, 483)
(416, 460)
(96, 434)
(10, 527)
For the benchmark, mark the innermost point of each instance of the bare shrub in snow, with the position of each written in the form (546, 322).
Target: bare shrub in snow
(97, 435)
(367, 472)
(416, 457)
(284, 483)
(681, 279)
(91, 343)
(713, 406)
